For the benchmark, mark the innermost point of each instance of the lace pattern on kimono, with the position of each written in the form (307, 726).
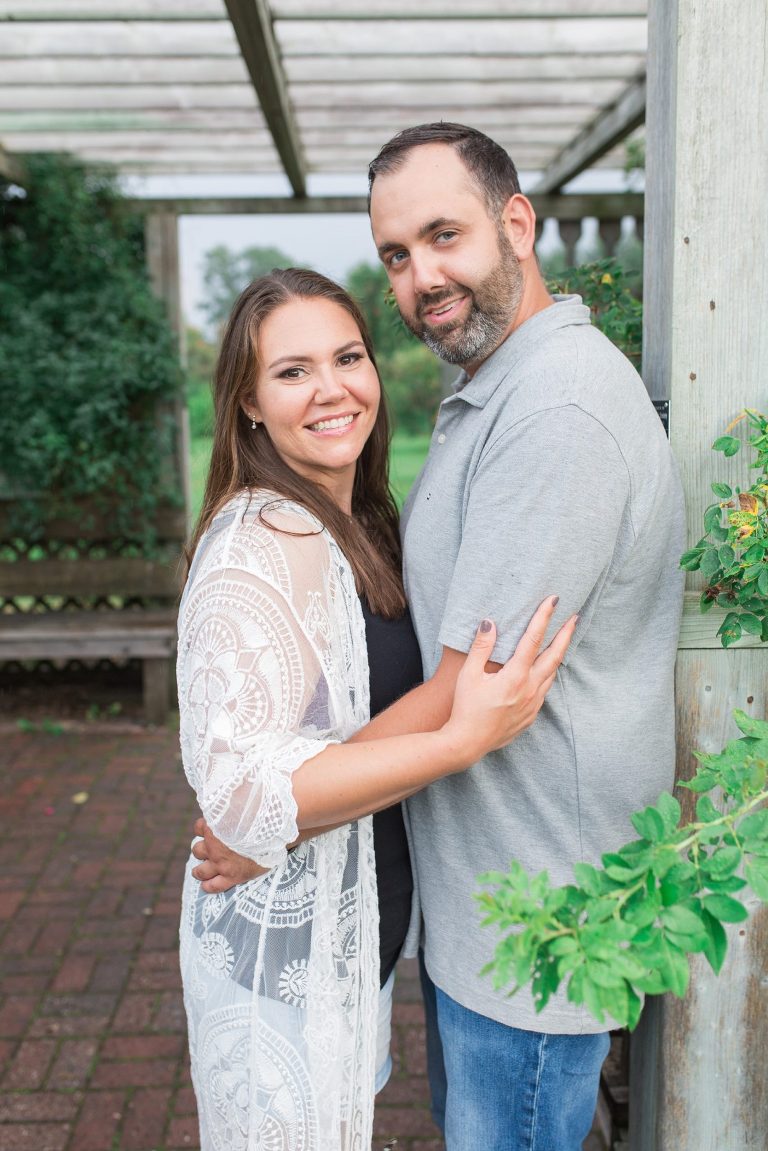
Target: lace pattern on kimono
(280, 974)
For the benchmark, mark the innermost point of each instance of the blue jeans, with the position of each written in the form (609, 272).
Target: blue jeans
(513, 1090)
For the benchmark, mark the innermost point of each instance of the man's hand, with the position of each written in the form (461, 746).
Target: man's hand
(220, 868)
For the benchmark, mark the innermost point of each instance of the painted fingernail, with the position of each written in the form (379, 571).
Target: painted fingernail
(486, 625)
(555, 600)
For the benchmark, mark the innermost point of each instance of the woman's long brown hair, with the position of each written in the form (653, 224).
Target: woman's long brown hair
(245, 458)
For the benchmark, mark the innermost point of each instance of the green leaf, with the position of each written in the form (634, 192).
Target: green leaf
(676, 970)
(710, 563)
(690, 560)
(750, 623)
(730, 630)
(682, 920)
(717, 941)
(563, 945)
(588, 877)
(726, 555)
(635, 1008)
(727, 886)
(728, 445)
(723, 491)
(757, 878)
(755, 728)
(706, 811)
(649, 823)
(762, 582)
(723, 862)
(754, 554)
(713, 518)
(616, 1002)
(702, 781)
(725, 909)
(670, 811)
(755, 825)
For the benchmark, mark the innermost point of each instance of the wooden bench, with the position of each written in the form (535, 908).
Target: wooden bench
(143, 626)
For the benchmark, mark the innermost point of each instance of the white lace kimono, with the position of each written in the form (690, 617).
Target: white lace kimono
(280, 974)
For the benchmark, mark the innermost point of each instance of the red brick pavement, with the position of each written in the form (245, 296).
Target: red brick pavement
(95, 833)
(92, 1031)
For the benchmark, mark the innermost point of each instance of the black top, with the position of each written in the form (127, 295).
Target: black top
(395, 667)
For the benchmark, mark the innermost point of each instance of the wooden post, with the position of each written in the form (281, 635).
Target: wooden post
(698, 1079)
(162, 251)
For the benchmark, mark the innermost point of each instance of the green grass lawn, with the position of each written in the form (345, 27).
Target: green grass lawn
(406, 457)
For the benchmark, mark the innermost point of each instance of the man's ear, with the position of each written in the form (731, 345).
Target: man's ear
(519, 223)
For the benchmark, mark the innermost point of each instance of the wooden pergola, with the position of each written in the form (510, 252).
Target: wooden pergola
(308, 88)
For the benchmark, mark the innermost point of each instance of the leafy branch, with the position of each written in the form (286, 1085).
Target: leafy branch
(629, 926)
(733, 555)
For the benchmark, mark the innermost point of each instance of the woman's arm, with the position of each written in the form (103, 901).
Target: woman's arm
(378, 767)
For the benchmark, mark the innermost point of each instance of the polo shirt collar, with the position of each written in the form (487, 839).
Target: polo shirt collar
(564, 313)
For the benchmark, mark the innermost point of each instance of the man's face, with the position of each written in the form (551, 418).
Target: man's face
(455, 276)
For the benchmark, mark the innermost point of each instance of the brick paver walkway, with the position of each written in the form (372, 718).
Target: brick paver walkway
(94, 834)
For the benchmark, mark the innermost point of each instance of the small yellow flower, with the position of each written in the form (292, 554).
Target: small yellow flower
(607, 278)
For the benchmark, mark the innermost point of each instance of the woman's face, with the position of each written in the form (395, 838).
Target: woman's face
(317, 392)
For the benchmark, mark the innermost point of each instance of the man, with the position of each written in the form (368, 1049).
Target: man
(548, 470)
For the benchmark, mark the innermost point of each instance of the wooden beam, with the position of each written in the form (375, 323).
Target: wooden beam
(161, 245)
(11, 167)
(606, 130)
(605, 207)
(459, 9)
(100, 10)
(323, 67)
(252, 23)
(449, 36)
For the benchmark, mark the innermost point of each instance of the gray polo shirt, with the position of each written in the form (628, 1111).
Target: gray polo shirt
(548, 473)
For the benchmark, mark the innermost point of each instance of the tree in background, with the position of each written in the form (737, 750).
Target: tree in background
(88, 364)
(226, 273)
(412, 382)
(369, 285)
(410, 373)
(200, 366)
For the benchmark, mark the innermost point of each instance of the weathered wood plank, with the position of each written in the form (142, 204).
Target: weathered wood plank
(700, 630)
(609, 128)
(88, 635)
(123, 576)
(697, 1066)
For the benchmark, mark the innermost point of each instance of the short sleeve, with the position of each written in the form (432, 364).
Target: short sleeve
(547, 505)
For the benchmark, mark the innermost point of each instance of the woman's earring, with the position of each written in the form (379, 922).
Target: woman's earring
(253, 423)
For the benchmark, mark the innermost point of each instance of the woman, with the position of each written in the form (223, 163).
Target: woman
(298, 531)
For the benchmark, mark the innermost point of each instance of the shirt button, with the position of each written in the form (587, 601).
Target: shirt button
(441, 438)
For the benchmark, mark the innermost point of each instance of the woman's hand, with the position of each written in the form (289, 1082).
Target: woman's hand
(491, 709)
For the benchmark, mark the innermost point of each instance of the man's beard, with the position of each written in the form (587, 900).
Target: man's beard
(494, 303)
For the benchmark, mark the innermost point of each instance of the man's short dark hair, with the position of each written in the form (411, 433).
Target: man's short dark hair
(485, 160)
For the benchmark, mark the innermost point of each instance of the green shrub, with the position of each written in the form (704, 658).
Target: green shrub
(87, 359)
(604, 288)
(411, 377)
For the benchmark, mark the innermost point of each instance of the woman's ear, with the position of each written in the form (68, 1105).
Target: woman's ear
(251, 411)
(519, 223)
